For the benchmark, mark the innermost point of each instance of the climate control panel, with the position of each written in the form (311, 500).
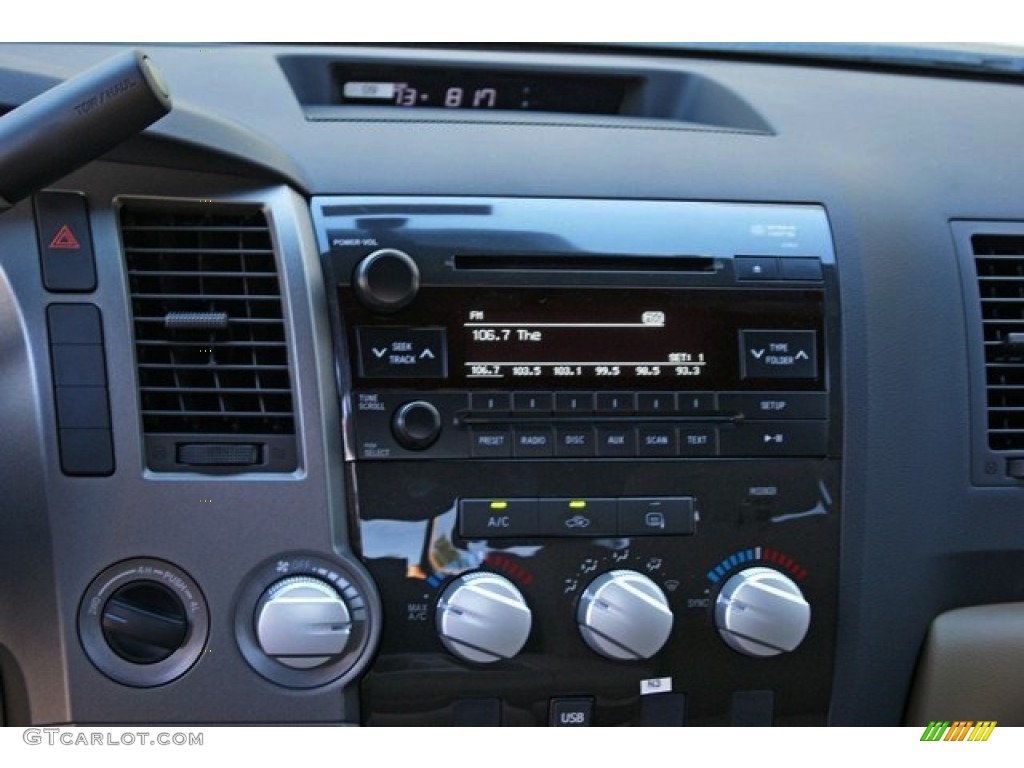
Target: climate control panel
(705, 586)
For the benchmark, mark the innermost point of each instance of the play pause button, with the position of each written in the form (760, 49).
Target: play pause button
(767, 438)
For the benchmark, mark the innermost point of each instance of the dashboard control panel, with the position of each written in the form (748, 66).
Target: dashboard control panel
(593, 455)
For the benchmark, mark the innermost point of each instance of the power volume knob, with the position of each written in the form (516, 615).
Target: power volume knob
(624, 616)
(761, 612)
(387, 280)
(483, 617)
(302, 622)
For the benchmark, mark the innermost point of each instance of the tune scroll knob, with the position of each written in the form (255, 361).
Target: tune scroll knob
(302, 622)
(387, 280)
(482, 617)
(624, 616)
(761, 612)
(416, 425)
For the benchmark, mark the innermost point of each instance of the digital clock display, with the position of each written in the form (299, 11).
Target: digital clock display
(469, 89)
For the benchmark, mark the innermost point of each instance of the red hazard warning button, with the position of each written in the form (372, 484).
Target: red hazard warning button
(65, 242)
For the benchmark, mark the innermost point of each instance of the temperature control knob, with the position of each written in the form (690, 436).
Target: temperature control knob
(761, 612)
(483, 617)
(302, 622)
(623, 615)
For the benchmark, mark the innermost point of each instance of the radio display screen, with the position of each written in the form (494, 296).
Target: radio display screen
(634, 339)
(625, 340)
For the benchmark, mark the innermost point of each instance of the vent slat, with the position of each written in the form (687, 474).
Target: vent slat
(240, 414)
(204, 378)
(203, 297)
(224, 390)
(208, 366)
(999, 265)
(198, 273)
(213, 344)
(180, 228)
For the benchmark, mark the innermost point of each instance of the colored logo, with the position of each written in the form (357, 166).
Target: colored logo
(960, 730)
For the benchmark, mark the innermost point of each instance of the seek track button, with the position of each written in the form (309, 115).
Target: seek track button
(401, 353)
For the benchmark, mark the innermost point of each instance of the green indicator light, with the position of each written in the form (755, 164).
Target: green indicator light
(499, 505)
(577, 504)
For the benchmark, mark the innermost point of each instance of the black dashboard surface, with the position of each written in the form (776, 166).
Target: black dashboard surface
(892, 157)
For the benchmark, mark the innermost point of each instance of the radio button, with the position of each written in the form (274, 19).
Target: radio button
(574, 402)
(696, 402)
(615, 402)
(783, 438)
(656, 402)
(490, 443)
(777, 405)
(657, 442)
(665, 516)
(779, 354)
(497, 518)
(533, 443)
(575, 442)
(576, 517)
(612, 442)
(490, 402)
(698, 442)
(532, 402)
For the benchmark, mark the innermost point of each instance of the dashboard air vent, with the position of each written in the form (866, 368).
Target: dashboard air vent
(210, 341)
(999, 260)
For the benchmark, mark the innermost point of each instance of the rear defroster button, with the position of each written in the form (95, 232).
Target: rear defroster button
(416, 425)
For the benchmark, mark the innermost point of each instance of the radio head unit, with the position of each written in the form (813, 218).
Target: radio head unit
(465, 323)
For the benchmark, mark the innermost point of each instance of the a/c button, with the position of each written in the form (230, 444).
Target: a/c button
(497, 518)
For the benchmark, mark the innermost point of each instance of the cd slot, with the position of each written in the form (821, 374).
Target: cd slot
(586, 263)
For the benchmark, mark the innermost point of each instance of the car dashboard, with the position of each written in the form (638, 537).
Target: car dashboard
(517, 385)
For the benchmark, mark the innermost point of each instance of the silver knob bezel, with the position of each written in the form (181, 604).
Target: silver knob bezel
(350, 580)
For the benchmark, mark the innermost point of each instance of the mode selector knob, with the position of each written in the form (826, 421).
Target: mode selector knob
(483, 617)
(623, 615)
(386, 280)
(302, 622)
(761, 612)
